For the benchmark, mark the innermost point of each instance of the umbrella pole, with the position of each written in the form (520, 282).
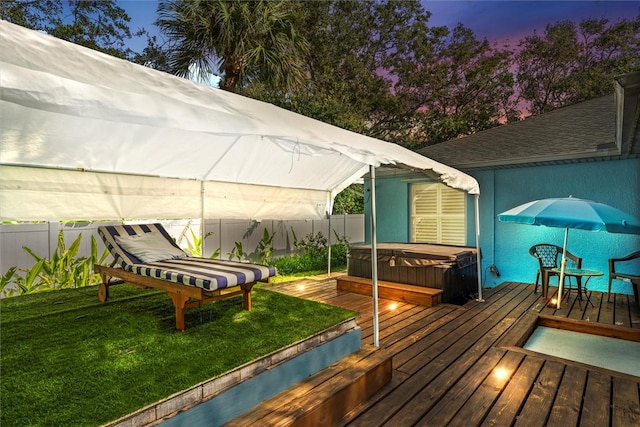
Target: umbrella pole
(563, 263)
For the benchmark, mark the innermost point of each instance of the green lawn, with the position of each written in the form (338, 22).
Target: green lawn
(67, 359)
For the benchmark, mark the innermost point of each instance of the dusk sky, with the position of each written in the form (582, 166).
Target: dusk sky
(499, 21)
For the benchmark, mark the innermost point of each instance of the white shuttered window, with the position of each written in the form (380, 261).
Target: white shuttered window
(437, 214)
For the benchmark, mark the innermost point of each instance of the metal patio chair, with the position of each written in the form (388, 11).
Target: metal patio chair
(549, 257)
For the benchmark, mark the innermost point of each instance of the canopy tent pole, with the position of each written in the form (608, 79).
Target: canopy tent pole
(329, 251)
(374, 256)
(478, 255)
(202, 218)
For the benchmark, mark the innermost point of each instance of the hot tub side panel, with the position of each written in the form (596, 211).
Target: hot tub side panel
(458, 283)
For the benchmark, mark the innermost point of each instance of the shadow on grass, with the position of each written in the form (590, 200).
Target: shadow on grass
(69, 360)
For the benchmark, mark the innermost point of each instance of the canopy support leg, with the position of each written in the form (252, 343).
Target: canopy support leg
(374, 257)
(478, 255)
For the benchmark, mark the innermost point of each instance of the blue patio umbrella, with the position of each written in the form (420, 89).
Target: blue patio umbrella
(571, 212)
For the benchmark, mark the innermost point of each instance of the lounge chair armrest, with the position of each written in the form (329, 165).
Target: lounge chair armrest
(626, 258)
(576, 259)
(613, 261)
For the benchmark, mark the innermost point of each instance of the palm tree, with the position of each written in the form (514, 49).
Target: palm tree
(244, 40)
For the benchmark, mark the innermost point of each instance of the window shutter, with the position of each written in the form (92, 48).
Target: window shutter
(437, 214)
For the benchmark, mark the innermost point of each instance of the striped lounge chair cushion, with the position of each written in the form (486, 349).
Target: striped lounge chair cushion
(203, 273)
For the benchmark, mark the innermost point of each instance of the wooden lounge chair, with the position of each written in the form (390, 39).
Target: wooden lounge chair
(146, 256)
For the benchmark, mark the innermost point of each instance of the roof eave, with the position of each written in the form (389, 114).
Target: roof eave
(537, 160)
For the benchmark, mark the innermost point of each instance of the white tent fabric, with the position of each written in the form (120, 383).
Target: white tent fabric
(84, 135)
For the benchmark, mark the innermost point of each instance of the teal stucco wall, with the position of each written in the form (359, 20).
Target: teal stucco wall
(506, 245)
(392, 210)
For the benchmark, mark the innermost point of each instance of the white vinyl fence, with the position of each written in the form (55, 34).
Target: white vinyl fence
(42, 238)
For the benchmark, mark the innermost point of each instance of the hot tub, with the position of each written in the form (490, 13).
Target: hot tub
(450, 268)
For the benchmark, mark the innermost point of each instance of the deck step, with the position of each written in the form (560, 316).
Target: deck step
(412, 294)
(326, 397)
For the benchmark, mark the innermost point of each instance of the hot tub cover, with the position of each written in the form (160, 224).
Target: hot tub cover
(417, 254)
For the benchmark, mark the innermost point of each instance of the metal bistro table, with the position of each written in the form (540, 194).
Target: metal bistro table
(579, 273)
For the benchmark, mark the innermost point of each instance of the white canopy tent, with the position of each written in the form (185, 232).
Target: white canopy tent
(84, 135)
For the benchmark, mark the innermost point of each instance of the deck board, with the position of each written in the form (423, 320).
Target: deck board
(538, 403)
(505, 409)
(445, 358)
(625, 398)
(596, 400)
(481, 398)
(566, 410)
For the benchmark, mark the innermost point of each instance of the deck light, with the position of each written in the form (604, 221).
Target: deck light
(501, 373)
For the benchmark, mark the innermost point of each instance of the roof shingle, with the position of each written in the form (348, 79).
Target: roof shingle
(575, 133)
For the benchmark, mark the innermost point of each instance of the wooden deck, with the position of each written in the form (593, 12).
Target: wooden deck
(446, 357)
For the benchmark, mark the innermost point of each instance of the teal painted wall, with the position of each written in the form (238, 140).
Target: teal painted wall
(616, 183)
(392, 203)
(506, 245)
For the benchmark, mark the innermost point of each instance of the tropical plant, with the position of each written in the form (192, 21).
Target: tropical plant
(24, 284)
(195, 245)
(63, 270)
(237, 252)
(240, 40)
(215, 254)
(7, 279)
(31, 282)
(264, 249)
(63, 267)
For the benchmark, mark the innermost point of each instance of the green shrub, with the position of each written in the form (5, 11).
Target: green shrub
(313, 245)
(339, 251)
(292, 264)
(312, 255)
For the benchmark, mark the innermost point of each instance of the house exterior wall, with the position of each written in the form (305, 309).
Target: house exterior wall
(392, 210)
(506, 245)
